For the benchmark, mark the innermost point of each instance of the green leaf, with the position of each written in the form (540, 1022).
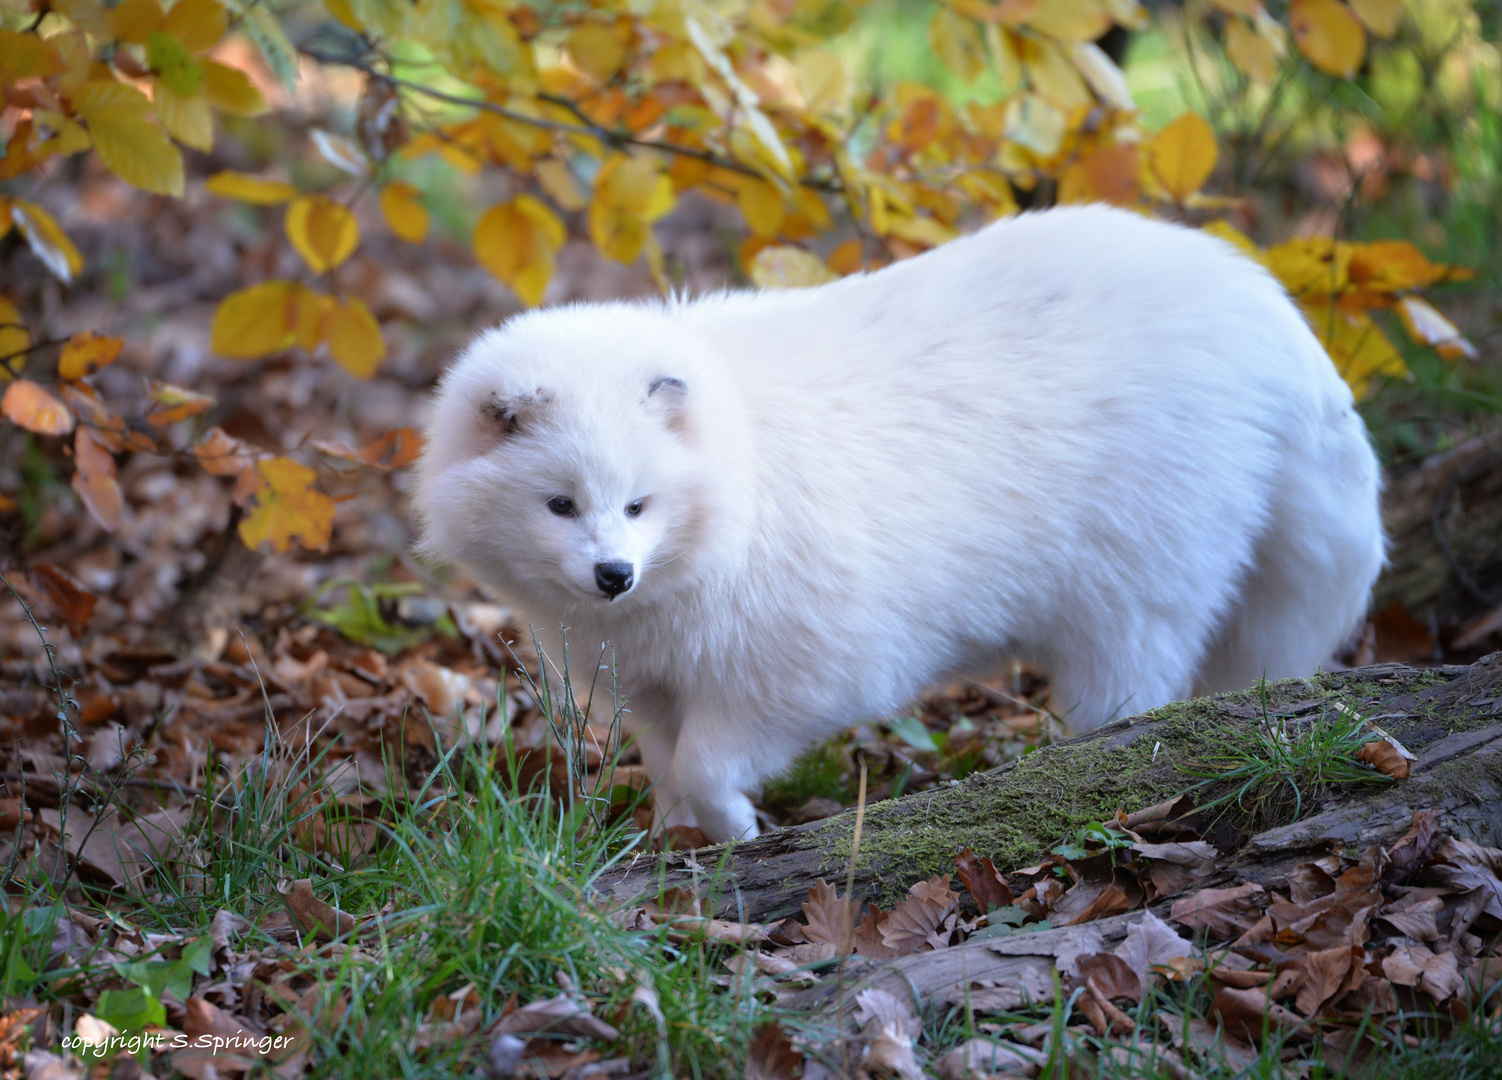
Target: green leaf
(269, 37)
(130, 1010)
(911, 731)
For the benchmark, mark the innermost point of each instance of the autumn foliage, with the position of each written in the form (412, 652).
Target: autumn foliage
(602, 116)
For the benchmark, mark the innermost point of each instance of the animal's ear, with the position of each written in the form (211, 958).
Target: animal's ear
(503, 417)
(669, 396)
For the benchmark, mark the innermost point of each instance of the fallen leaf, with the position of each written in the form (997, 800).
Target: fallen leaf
(829, 917)
(1248, 1014)
(62, 597)
(1415, 848)
(985, 1057)
(1469, 866)
(1222, 913)
(1151, 942)
(94, 479)
(1412, 964)
(1385, 756)
(312, 915)
(922, 920)
(772, 1056)
(1325, 974)
(1110, 975)
(982, 881)
(561, 1015)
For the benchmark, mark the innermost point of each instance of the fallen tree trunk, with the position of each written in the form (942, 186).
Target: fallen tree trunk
(1451, 718)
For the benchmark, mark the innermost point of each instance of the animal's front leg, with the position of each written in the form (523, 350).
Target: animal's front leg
(708, 779)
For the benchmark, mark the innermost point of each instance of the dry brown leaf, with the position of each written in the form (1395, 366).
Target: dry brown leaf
(1470, 866)
(1411, 964)
(1151, 819)
(1325, 975)
(830, 919)
(1385, 756)
(772, 1056)
(1415, 848)
(925, 919)
(561, 1015)
(1207, 1042)
(1247, 1014)
(888, 1027)
(312, 915)
(1087, 901)
(1151, 942)
(1222, 913)
(984, 1057)
(868, 941)
(982, 881)
(1110, 975)
(62, 597)
(1309, 881)
(1414, 915)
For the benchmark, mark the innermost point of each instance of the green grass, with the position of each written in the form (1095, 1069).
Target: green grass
(1285, 765)
(820, 773)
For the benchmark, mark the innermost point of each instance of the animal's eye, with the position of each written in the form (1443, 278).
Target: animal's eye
(635, 508)
(561, 505)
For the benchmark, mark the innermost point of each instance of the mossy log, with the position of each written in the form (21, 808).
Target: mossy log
(1450, 717)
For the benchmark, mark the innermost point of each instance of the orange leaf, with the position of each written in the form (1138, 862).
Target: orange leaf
(221, 454)
(173, 403)
(354, 337)
(29, 406)
(287, 508)
(323, 232)
(86, 353)
(396, 449)
(108, 428)
(1427, 326)
(94, 480)
(1328, 35)
(1183, 155)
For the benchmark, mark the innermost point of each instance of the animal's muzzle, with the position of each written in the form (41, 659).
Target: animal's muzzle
(614, 578)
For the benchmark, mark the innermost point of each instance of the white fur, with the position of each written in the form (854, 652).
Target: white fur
(1101, 444)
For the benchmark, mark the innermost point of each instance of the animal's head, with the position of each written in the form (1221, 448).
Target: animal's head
(569, 457)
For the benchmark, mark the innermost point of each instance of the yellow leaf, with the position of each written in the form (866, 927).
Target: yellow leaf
(14, 337)
(596, 49)
(135, 150)
(28, 405)
(918, 229)
(1032, 121)
(630, 193)
(1427, 326)
(1328, 34)
(254, 321)
(86, 353)
(518, 242)
(1311, 265)
(560, 184)
(189, 120)
(94, 479)
(1105, 174)
(1254, 55)
(1233, 236)
(1052, 75)
(26, 56)
(323, 232)
(823, 81)
(229, 184)
(1183, 155)
(1070, 20)
(405, 216)
(1357, 345)
(169, 403)
(308, 313)
(344, 12)
(761, 205)
(136, 20)
(784, 267)
(89, 16)
(1380, 16)
(230, 90)
(47, 240)
(1247, 8)
(957, 44)
(354, 337)
(198, 24)
(287, 508)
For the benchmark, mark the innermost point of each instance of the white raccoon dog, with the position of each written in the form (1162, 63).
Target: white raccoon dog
(1106, 446)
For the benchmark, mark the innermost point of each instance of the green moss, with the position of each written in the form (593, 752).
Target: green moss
(1015, 814)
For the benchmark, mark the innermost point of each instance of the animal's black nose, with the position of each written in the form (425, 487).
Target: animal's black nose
(614, 578)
